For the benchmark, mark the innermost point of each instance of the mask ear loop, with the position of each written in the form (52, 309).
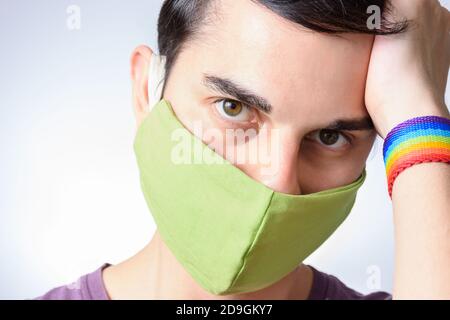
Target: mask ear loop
(156, 79)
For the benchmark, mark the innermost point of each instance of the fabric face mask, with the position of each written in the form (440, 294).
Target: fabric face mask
(230, 232)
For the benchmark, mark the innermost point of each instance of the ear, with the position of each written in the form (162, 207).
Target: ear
(140, 62)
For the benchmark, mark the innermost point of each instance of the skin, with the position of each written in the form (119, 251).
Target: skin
(311, 80)
(419, 61)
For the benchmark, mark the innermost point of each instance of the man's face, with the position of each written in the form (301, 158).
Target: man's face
(248, 60)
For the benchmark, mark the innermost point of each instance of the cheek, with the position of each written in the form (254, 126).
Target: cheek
(186, 105)
(320, 171)
(314, 178)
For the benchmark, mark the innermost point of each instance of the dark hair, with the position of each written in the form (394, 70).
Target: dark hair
(179, 20)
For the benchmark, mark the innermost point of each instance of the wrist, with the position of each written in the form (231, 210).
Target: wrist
(426, 109)
(417, 140)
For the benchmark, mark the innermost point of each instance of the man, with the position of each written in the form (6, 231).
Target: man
(322, 84)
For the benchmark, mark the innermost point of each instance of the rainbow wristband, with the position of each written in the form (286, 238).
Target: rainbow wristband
(418, 140)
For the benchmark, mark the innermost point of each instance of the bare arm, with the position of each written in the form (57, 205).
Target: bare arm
(407, 78)
(421, 201)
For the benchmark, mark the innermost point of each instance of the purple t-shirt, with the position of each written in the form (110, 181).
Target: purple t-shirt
(325, 286)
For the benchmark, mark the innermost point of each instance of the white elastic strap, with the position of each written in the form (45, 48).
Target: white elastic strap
(156, 75)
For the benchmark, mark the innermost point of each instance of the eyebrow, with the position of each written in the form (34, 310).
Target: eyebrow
(228, 87)
(364, 123)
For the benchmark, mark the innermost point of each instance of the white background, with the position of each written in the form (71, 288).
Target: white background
(70, 198)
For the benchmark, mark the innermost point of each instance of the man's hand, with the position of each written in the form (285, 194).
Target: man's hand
(408, 71)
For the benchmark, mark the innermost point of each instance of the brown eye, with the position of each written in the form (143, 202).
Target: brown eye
(232, 108)
(329, 137)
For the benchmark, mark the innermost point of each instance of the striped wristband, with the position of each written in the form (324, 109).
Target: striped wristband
(418, 140)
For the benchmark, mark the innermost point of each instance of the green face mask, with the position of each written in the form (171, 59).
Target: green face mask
(230, 232)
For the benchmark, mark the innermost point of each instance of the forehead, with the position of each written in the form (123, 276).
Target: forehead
(282, 61)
